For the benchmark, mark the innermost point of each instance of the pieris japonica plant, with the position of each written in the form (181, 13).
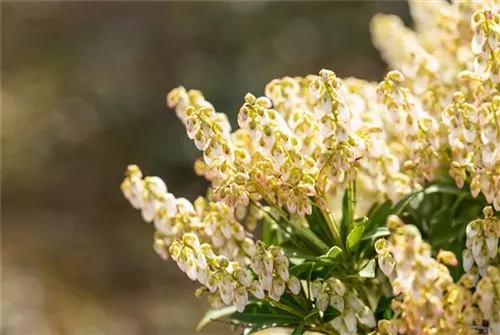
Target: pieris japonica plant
(342, 206)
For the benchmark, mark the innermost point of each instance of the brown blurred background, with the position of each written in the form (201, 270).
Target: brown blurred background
(83, 95)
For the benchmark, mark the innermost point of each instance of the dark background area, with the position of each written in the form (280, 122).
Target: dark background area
(83, 95)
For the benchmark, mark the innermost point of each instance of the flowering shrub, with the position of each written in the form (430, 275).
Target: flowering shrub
(374, 202)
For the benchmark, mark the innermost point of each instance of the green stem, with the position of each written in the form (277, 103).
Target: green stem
(350, 205)
(308, 235)
(456, 204)
(333, 228)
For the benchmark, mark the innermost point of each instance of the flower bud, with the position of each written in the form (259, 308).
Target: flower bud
(240, 298)
(293, 285)
(256, 290)
(322, 301)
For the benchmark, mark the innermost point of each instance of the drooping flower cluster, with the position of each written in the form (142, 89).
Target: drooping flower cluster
(487, 298)
(428, 302)
(466, 61)
(353, 311)
(230, 282)
(482, 242)
(173, 217)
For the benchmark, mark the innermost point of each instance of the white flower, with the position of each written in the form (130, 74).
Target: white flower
(337, 302)
(386, 264)
(266, 281)
(215, 300)
(468, 259)
(243, 277)
(282, 271)
(322, 301)
(293, 285)
(240, 298)
(350, 321)
(277, 289)
(367, 318)
(191, 240)
(256, 290)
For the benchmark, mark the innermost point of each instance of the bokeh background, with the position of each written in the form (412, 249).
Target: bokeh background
(83, 95)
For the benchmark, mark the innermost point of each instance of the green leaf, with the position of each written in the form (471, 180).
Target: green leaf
(368, 271)
(319, 225)
(264, 314)
(377, 218)
(311, 317)
(344, 224)
(447, 189)
(330, 314)
(297, 250)
(215, 314)
(299, 330)
(331, 255)
(379, 232)
(354, 237)
(383, 310)
(269, 231)
(333, 252)
(301, 270)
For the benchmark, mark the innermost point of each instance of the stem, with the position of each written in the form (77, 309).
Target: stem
(277, 221)
(302, 300)
(333, 228)
(308, 235)
(350, 205)
(456, 204)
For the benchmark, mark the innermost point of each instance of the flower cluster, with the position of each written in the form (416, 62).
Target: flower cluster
(467, 62)
(428, 302)
(231, 282)
(332, 292)
(314, 139)
(487, 297)
(482, 242)
(173, 217)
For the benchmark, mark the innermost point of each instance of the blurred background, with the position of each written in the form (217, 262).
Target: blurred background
(83, 95)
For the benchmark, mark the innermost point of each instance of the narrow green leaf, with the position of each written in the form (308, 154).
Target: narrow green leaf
(263, 314)
(311, 317)
(447, 189)
(383, 310)
(379, 232)
(297, 250)
(299, 330)
(331, 256)
(333, 252)
(379, 215)
(269, 231)
(344, 223)
(398, 208)
(368, 271)
(301, 270)
(330, 314)
(214, 314)
(355, 236)
(319, 225)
